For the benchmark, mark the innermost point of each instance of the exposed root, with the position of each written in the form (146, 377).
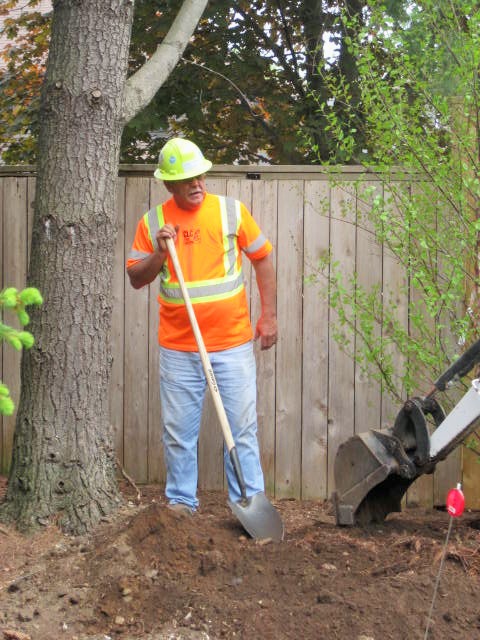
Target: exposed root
(130, 481)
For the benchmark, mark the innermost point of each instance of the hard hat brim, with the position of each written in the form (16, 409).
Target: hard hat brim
(168, 177)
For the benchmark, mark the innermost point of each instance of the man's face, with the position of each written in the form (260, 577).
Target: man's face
(188, 194)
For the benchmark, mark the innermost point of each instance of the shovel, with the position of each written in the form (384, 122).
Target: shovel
(257, 515)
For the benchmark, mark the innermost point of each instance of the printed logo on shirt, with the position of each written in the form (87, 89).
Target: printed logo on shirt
(191, 236)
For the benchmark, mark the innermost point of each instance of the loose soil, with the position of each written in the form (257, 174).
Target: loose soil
(148, 573)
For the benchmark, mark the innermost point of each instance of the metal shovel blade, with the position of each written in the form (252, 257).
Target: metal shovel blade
(258, 517)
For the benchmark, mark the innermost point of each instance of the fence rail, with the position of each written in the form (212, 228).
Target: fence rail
(312, 396)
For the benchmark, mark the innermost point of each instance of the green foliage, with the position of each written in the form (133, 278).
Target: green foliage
(240, 91)
(21, 74)
(15, 301)
(421, 145)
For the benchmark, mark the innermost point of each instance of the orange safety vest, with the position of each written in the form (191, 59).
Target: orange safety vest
(209, 244)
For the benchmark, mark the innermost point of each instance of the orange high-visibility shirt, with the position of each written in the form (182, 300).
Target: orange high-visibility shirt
(204, 252)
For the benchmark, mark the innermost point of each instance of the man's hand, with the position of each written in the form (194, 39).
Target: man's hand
(167, 231)
(266, 331)
(145, 271)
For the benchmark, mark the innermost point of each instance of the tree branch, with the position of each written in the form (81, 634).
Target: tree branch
(144, 84)
(251, 106)
(277, 51)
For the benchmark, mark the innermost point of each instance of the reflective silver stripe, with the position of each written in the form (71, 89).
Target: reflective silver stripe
(173, 292)
(232, 218)
(154, 220)
(256, 244)
(138, 255)
(152, 223)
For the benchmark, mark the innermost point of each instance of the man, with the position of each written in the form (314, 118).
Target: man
(210, 233)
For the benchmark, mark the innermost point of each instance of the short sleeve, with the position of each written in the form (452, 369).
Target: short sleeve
(251, 238)
(142, 245)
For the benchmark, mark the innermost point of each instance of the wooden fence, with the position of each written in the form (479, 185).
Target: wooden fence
(312, 396)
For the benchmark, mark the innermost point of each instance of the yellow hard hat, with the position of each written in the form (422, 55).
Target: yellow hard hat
(181, 159)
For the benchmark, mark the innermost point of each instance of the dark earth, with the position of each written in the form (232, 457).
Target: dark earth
(148, 573)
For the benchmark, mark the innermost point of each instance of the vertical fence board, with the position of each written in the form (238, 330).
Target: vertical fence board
(315, 340)
(264, 210)
(289, 347)
(14, 258)
(368, 391)
(395, 293)
(341, 399)
(240, 190)
(135, 441)
(117, 332)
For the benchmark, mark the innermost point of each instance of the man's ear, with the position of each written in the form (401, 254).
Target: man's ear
(168, 186)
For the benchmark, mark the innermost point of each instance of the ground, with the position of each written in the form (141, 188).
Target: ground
(148, 573)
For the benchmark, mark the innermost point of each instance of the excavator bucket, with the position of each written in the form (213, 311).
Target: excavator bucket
(374, 469)
(370, 480)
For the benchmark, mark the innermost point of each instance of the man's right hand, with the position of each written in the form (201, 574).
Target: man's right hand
(145, 271)
(167, 231)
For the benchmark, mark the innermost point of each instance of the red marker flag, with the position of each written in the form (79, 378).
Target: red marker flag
(456, 501)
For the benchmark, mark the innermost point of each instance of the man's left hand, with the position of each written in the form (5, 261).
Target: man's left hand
(267, 332)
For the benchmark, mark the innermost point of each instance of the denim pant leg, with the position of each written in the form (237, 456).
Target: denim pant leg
(182, 391)
(235, 373)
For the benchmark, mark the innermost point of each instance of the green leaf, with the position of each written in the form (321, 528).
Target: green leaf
(7, 407)
(31, 295)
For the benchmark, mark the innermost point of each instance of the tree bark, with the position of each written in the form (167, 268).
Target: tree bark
(63, 455)
(63, 461)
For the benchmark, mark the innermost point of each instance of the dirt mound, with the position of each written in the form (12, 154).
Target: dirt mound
(150, 573)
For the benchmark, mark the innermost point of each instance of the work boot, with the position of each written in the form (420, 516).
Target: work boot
(180, 508)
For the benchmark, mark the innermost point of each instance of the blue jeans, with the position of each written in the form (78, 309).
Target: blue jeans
(182, 392)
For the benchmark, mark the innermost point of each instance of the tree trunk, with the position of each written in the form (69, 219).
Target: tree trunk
(63, 458)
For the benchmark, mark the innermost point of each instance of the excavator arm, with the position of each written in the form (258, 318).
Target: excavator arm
(374, 469)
